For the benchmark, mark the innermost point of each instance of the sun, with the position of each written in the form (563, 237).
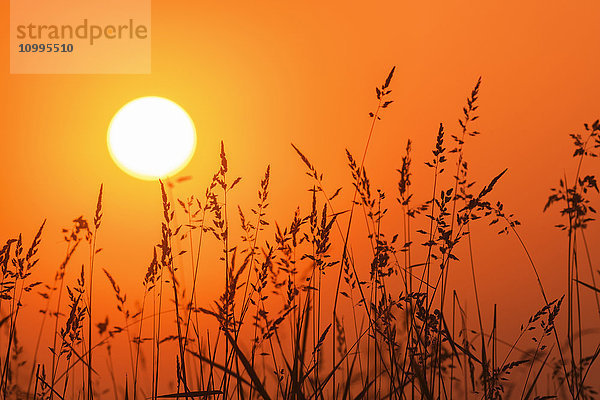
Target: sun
(151, 138)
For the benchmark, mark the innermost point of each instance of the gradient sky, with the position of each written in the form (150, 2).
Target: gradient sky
(261, 75)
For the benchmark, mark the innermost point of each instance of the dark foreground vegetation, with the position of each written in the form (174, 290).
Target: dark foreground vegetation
(276, 332)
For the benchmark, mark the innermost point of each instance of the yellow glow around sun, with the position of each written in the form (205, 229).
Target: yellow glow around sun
(151, 138)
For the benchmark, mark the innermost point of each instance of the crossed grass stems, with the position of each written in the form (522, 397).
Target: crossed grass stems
(409, 343)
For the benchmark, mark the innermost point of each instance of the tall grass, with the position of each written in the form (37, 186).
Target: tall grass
(301, 314)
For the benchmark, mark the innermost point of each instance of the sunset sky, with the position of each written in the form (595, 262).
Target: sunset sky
(264, 74)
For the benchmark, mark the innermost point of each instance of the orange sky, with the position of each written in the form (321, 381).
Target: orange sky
(260, 75)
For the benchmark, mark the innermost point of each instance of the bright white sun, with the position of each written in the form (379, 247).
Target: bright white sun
(151, 138)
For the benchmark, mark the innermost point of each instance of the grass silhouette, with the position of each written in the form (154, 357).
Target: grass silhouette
(278, 331)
